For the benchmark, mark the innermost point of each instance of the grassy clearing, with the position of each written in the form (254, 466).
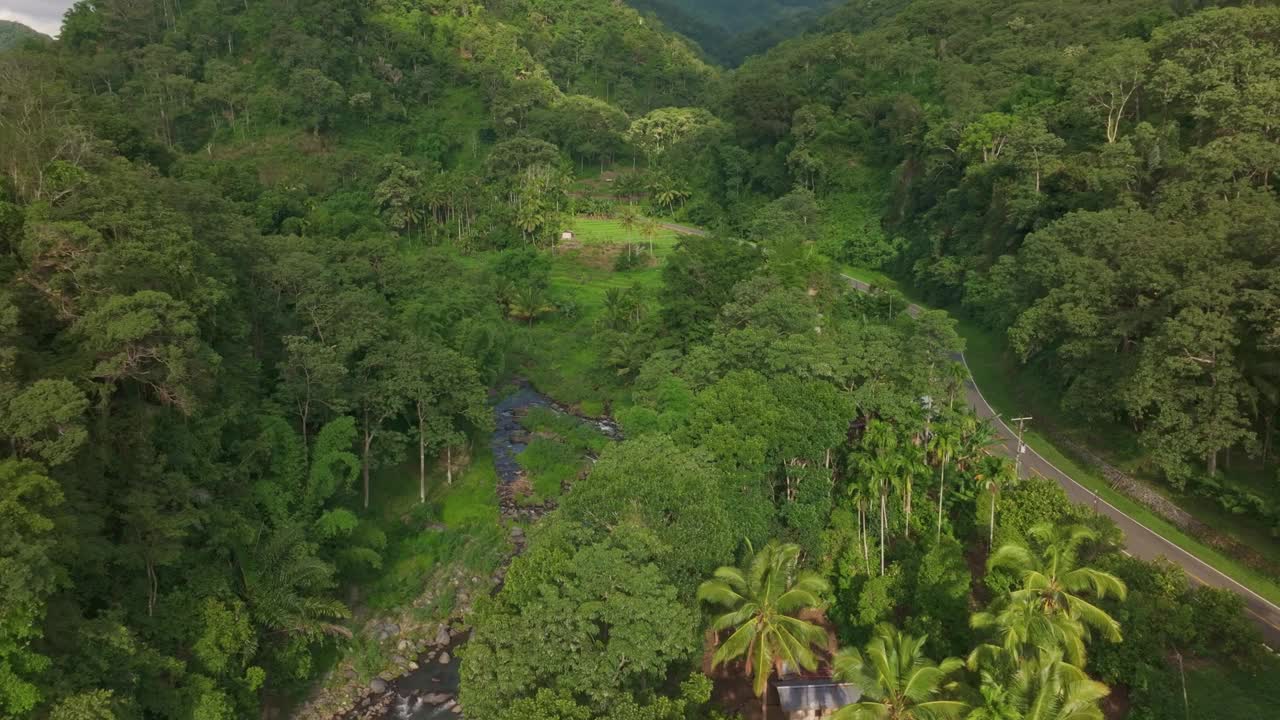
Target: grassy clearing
(600, 231)
(558, 452)
(1011, 390)
(559, 353)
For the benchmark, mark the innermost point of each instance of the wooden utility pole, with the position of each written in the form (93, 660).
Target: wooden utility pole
(1022, 447)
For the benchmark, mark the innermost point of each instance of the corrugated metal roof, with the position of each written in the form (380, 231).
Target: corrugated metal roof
(796, 695)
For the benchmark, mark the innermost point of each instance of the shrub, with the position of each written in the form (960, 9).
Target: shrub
(633, 256)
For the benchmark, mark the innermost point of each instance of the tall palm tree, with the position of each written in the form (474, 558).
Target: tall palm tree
(1054, 582)
(763, 602)
(995, 474)
(943, 443)
(884, 471)
(649, 229)
(883, 466)
(861, 490)
(956, 374)
(915, 463)
(898, 682)
(976, 439)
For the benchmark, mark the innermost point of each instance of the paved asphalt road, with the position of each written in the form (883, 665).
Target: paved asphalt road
(1140, 541)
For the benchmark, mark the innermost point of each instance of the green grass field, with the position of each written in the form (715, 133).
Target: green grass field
(601, 231)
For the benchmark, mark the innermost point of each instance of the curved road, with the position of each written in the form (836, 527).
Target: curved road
(1140, 541)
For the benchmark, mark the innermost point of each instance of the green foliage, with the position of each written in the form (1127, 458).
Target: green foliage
(673, 493)
(30, 575)
(600, 623)
(551, 465)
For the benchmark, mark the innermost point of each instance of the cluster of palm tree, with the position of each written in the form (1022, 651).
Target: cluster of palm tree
(1030, 666)
(889, 462)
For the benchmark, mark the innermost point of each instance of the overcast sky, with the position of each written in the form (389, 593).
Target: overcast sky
(42, 15)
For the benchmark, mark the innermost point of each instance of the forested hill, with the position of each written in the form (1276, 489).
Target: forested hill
(1095, 181)
(12, 33)
(204, 303)
(261, 260)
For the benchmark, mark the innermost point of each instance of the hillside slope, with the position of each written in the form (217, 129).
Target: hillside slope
(12, 33)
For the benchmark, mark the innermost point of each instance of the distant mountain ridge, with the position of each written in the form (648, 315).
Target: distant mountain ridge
(739, 16)
(12, 33)
(731, 30)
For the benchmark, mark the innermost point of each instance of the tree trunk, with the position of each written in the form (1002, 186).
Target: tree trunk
(942, 488)
(422, 463)
(862, 524)
(764, 701)
(992, 540)
(883, 526)
(1266, 439)
(907, 507)
(1213, 462)
(448, 463)
(364, 465)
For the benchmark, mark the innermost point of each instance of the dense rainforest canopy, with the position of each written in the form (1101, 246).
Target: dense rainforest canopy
(261, 260)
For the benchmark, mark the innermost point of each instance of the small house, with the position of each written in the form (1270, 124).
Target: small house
(814, 698)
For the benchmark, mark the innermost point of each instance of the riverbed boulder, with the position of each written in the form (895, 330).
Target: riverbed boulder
(442, 636)
(378, 685)
(444, 658)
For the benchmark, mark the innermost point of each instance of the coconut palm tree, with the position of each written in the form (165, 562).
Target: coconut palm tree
(943, 443)
(898, 682)
(763, 602)
(1044, 687)
(1054, 583)
(1020, 629)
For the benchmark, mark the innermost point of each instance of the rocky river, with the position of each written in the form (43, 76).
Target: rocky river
(428, 691)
